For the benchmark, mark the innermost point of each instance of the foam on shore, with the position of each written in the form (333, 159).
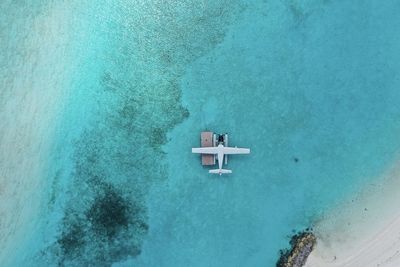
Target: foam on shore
(363, 231)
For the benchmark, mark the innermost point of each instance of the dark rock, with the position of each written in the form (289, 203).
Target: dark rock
(302, 245)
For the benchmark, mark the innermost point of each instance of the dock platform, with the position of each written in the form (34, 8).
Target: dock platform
(207, 140)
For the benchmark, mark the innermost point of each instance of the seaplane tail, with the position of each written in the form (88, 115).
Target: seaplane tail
(220, 171)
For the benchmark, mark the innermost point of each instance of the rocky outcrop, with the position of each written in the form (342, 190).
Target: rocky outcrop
(301, 246)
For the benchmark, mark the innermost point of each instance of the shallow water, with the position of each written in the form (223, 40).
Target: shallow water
(310, 88)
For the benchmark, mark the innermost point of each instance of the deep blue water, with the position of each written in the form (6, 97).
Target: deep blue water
(311, 88)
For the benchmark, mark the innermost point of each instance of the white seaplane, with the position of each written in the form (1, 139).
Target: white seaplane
(218, 151)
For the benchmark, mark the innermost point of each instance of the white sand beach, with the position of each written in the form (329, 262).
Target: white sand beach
(365, 231)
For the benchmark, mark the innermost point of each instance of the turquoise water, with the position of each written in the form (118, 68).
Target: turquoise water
(311, 88)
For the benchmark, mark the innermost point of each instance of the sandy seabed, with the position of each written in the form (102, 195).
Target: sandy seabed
(31, 102)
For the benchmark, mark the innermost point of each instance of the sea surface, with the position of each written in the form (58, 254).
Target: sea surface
(101, 102)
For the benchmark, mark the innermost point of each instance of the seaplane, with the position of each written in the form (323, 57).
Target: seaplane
(215, 147)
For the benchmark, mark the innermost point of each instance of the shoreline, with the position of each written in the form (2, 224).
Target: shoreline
(364, 231)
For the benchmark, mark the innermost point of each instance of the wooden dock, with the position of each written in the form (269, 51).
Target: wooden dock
(207, 141)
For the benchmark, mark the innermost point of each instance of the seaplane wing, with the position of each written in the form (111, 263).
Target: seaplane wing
(205, 150)
(235, 150)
